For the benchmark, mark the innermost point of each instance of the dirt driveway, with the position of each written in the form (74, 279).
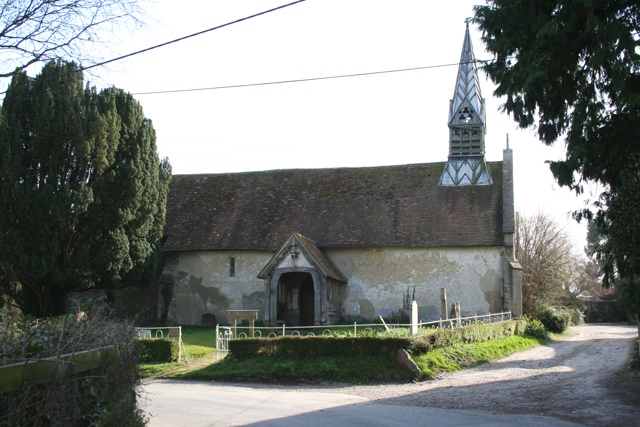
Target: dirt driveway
(572, 379)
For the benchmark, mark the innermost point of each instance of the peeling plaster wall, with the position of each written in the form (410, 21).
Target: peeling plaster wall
(378, 279)
(204, 285)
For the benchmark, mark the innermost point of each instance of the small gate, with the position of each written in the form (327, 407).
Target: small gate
(223, 335)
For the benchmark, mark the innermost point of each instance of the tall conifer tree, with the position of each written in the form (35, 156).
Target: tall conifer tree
(570, 69)
(82, 189)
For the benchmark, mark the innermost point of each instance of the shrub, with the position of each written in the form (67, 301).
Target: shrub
(103, 396)
(159, 350)
(535, 329)
(554, 319)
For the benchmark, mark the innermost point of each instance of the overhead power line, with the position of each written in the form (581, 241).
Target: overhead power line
(99, 64)
(310, 79)
(190, 36)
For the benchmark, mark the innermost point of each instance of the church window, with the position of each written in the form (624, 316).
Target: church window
(466, 115)
(232, 267)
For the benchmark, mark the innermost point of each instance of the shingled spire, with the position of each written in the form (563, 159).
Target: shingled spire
(467, 118)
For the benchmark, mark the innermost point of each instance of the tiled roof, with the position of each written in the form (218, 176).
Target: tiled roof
(323, 262)
(400, 206)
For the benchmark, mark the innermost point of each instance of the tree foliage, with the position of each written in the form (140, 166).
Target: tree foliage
(82, 188)
(37, 31)
(571, 68)
(551, 272)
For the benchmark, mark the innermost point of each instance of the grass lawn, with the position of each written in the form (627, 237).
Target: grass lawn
(200, 346)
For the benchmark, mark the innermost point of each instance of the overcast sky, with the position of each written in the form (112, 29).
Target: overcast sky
(383, 119)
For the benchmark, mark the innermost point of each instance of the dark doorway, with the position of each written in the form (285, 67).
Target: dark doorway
(307, 302)
(296, 299)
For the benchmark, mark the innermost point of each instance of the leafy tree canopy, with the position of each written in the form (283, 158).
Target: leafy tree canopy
(571, 68)
(82, 189)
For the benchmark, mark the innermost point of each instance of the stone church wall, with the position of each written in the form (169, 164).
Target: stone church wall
(378, 279)
(205, 284)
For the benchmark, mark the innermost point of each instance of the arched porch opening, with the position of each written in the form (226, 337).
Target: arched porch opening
(296, 299)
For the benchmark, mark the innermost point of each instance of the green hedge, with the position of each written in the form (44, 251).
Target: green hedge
(367, 345)
(159, 350)
(554, 319)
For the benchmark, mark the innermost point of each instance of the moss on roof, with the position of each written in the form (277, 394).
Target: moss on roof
(400, 206)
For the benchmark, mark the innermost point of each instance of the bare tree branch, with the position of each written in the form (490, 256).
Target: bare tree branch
(34, 31)
(553, 273)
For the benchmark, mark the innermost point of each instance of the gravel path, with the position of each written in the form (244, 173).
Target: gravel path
(573, 378)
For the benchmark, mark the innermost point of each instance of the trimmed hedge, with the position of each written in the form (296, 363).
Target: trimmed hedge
(159, 350)
(467, 334)
(367, 345)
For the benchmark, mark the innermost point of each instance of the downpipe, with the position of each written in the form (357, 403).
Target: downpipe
(502, 279)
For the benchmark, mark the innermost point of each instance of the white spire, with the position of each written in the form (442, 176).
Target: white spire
(467, 92)
(467, 118)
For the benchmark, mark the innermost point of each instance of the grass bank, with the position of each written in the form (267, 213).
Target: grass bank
(450, 359)
(371, 369)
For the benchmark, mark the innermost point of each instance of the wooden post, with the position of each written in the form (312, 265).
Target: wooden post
(235, 315)
(443, 298)
(383, 323)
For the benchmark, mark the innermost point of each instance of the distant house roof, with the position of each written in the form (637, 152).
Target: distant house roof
(397, 206)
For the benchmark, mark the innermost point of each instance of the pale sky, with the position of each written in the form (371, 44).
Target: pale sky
(385, 119)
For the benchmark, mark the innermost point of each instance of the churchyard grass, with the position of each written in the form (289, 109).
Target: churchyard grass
(199, 344)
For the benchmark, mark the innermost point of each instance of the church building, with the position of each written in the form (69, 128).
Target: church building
(320, 246)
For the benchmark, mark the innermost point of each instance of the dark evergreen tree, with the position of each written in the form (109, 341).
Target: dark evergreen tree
(82, 190)
(571, 68)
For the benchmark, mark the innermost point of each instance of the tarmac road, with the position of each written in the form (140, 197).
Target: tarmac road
(199, 404)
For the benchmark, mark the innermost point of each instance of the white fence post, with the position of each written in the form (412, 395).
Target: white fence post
(217, 341)
(179, 344)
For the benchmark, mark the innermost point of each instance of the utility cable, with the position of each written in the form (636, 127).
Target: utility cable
(189, 36)
(182, 38)
(310, 79)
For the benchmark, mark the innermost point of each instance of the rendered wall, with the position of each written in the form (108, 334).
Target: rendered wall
(378, 279)
(203, 285)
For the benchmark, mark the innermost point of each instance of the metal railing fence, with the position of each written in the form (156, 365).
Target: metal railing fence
(157, 332)
(224, 333)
